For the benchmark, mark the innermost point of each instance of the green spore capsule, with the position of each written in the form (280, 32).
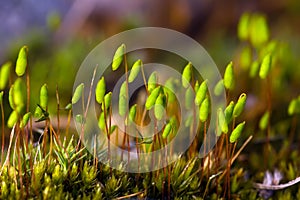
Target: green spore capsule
(201, 93)
(100, 90)
(243, 26)
(4, 74)
(107, 101)
(12, 120)
(294, 107)
(219, 88)
(229, 79)
(69, 106)
(167, 131)
(264, 120)
(223, 126)
(152, 98)
(228, 112)
(169, 90)
(122, 105)
(189, 98)
(265, 66)
(237, 132)
(25, 119)
(187, 75)
(101, 122)
(240, 105)
(259, 31)
(118, 57)
(21, 63)
(19, 95)
(254, 69)
(135, 70)
(123, 89)
(132, 113)
(159, 107)
(44, 96)
(152, 80)
(11, 97)
(204, 110)
(78, 93)
(245, 57)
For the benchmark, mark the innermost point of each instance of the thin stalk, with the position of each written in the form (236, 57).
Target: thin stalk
(269, 104)
(293, 131)
(87, 107)
(58, 110)
(107, 131)
(19, 162)
(68, 122)
(126, 114)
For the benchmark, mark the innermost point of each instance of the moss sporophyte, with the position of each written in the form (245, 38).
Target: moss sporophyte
(42, 157)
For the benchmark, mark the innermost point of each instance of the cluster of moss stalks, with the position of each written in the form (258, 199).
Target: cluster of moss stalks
(58, 166)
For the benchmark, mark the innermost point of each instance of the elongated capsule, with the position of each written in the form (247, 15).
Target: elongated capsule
(229, 78)
(159, 107)
(122, 105)
(293, 107)
(11, 97)
(101, 122)
(135, 70)
(204, 110)
(100, 90)
(264, 120)
(240, 105)
(69, 106)
(123, 90)
(259, 30)
(265, 66)
(152, 80)
(245, 57)
(132, 113)
(237, 132)
(228, 112)
(222, 121)
(118, 57)
(44, 96)
(21, 63)
(107, 101)
(167, 130)
(77, 93)
(152, 98)
(254, 69)
(201, 93)
(243, 26)
(189, 98)
(12, 119)
(19, 95)
(169, 90)
(4, 74)
(25, 119)
(219, 88)
(187, 75)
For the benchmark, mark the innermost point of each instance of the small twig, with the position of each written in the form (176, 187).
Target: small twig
(262, 186)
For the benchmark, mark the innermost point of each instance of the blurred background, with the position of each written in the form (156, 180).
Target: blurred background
(60, 33)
